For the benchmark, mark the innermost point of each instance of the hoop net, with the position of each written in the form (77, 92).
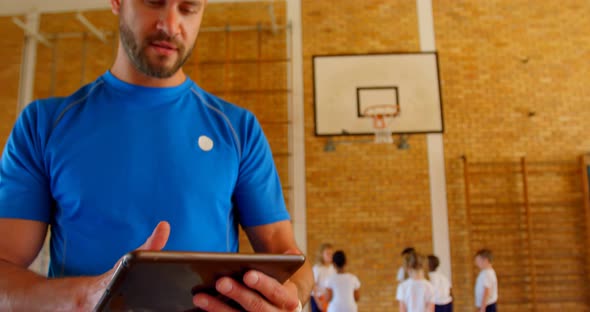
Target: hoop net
(382, 116)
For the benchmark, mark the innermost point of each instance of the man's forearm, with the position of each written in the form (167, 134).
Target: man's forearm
(23, 290)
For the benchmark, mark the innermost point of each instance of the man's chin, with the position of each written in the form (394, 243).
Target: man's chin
(160, 71)
(158, 67)
(163, 74)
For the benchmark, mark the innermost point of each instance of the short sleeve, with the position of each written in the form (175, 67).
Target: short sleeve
(429, 293)
(401, 274)
(24, 186)
(357, 283)
(400, 293)
(316, 273)
(487, 280)
(258, 194)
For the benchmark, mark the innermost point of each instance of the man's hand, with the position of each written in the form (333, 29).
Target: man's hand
(96, 286)
(258, 293)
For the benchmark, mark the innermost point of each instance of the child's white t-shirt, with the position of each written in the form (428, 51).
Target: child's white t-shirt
(442, 288)
(343, 286)
(401, 274)
(321, 273)
(416, 294)
(486, 279)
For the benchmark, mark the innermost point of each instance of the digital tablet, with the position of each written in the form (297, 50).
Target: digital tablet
(167, 281)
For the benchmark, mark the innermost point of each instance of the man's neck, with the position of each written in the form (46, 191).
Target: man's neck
(124, 70)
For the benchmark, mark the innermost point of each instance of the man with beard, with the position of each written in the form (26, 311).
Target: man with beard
(140, 150)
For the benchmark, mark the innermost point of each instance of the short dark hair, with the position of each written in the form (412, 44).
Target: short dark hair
(433, 263)
(486, 254)
(408, 250)
(339, 259)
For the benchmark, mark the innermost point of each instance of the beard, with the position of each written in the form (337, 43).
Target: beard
(136, 51)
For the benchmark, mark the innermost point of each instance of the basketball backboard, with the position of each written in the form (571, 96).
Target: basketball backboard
(347, 87)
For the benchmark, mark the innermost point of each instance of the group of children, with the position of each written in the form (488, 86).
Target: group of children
(417, 291)
(335, 289)
(420, 292)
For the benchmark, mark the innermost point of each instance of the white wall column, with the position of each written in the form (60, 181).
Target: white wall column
(436, 156)
(297, 139)
(29, 62)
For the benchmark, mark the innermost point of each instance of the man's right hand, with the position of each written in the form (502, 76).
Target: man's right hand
(95, 286)
(24, 290)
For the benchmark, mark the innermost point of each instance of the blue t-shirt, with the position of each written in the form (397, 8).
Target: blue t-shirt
(106, 164)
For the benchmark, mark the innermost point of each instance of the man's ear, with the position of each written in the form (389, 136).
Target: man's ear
(116, 6)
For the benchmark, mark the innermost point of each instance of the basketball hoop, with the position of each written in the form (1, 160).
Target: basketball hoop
(382, 116)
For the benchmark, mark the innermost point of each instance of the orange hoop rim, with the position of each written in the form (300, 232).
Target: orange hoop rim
(378, 118)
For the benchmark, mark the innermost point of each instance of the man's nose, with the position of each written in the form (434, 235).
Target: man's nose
(169, 22)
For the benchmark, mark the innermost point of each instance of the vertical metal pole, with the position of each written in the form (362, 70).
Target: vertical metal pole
(467, 182)
(530, 239)
(584, 163)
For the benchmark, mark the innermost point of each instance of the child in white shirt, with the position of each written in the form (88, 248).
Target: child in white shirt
(486, 287)
(342, 289)
(443, 302)
(415, 294)
(322, 270)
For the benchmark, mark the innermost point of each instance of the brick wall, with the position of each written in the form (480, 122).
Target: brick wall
(500, 60)
(9, 75)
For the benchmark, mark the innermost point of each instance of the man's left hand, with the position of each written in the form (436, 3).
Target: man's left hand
(257, 293)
